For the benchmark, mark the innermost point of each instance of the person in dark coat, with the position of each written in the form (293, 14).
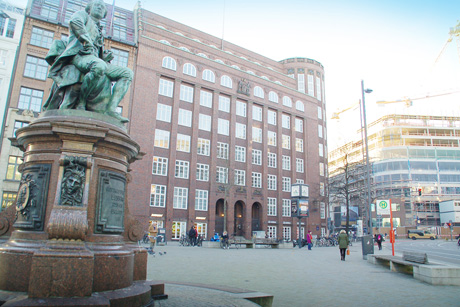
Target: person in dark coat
(343, 244)
(379, 239)
(192, 235)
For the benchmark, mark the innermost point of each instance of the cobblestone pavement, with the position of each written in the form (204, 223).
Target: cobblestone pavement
(296, 277)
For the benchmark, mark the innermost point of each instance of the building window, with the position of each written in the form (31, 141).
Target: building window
(257, 113)
(160, 166)
(240, 154)
(178, 229)
(299, 167)
(318, 88)
(258, 92)
(240, 177)
(299, 106)
(206, 99)
(204, 147)
(209, 76)
(322, 210)
(321, 150)
(311, 84)
(3, 57)
(182, 169)
(273, 97)
(157, 195)
(180, 198)
(183, 143)
(19, 124)
(256, 135)
(8, 198)
(186, 93)
(271, 118)
(287, 233)
(35, 68)
(222, 174)
(286, 184)
(320, 113)
(272, 159)
(189, 69)
(223, 126)
(41, 38)
(7, 25)
(286, 121)
(240, 131)
(241, 108)
(271, 181)
(286, 141)
(271, 206)
(301, 82)
(226, 81)
(272, 232)
(164, 113)
(185, 118)
(257, 157)
(120, 57)
(166, 88)
(299, 125)
(161, 138)
(12, 172)
(286, 207)
(169, 63)
(300, 181)
(321, 169)
(202, 172)
(205, 122)
(287, 101)
(30, 99)
(201, 200)
(222, 150)
(271, 138)
(286, 163)
(256, 180)
(224, 103)
(320, 131)
(299, 145)
(321, 189)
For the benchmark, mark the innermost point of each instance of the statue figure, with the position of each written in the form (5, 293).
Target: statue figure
(81, 68)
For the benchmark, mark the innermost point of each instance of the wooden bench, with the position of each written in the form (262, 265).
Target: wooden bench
(415, 257)
(267, 243)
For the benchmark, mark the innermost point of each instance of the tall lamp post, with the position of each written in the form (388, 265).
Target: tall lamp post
(367, 91)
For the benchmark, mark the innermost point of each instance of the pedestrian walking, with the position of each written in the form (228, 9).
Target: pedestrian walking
(379, 240)
(343, 244)
(153, 232)
(309, 240)
(192, 235)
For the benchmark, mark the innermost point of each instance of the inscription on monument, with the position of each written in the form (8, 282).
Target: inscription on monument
(111, 202)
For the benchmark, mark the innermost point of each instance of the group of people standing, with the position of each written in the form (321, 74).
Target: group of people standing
(193, 235)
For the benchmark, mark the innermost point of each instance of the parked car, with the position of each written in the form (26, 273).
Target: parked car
(421, 234)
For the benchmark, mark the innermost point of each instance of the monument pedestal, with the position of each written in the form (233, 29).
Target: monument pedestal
(72, 232)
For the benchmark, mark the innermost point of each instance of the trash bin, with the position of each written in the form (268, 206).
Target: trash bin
(368, 246)
(161, 237)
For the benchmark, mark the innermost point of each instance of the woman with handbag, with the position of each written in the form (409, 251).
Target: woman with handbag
(343, 244)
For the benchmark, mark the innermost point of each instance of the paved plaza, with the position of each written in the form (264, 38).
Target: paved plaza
(296, 277)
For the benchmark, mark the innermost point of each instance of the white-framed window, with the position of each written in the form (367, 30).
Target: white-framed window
(202, 172)
(183, 142)
(299, 125)
(300, 181)
(160, 166)
(318, 88)
(299, 165)
(164, 112)
(169, 63)
(223, 126)
(272, 232)
(321, 168)
(120, 57)
(321, 150)
(241, 108)
(271, 117)
(257, 113)
(320, 112)
(322, 210)
(35, 68)
(224, 103)
(166, 88)
(189, 69)
(240, 154)
(286, 121)
(287, 233)
(209, 76)
(322, 190)
(299, 145)
(286, 141)
(272, 159)
(257, 157)
(256, 180)
(320, 131)
(182, 169)
(185, 118)
(299, 106)
(258, 92)
(206, 99)
(286, 163)
(271, 137)
(186, 93)
(178, 229)
(180, 198)
(311, 85)
(256, 135)
(201, 200)
(221, 174)
(226, 81)
(286, 208)
(30, 99)
(287, 101)
(205, 122)
(204, 147)
(18, 124)
(240, 131)
(201, 228)
(161, 138)
(286, 184)
(301, 82)
(157, 195)
(41, 37)
(240, 177)
(222, 150)
(273, 97)
(271, 206)
(271, 182)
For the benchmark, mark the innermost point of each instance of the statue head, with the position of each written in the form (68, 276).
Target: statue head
(99, 11)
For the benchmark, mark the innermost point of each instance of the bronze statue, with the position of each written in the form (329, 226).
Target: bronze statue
(81, 68)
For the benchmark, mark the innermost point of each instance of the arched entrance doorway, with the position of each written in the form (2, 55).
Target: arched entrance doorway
(219, 216)
(239, 218)
(256, 213)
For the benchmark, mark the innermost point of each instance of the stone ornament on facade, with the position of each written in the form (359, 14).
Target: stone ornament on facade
(73, 181)
(244, 87)
(26, 196)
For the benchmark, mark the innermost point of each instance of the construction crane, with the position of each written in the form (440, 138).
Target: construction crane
(408, 101)
(336, 114)
(453, 33)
